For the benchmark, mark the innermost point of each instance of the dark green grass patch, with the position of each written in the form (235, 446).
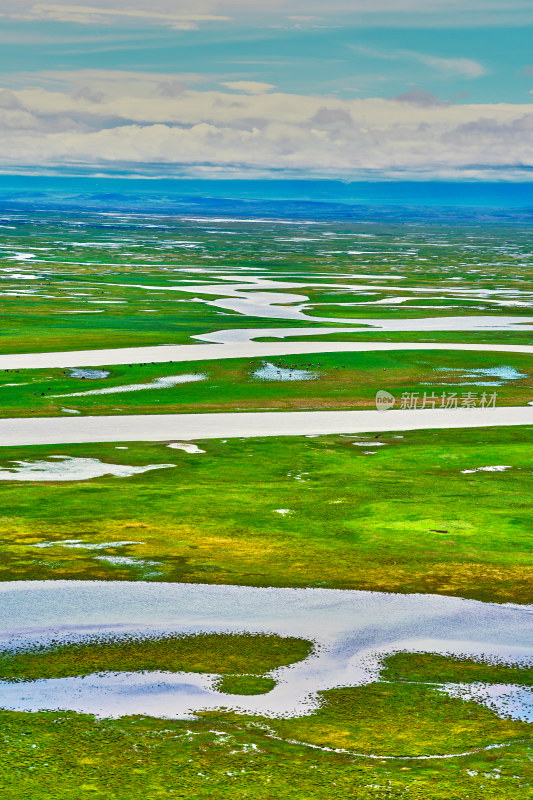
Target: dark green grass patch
(218, 653)
(435, 668)
(245, 684)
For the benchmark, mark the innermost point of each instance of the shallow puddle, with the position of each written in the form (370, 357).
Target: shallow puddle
(506, 700)
(166, 382)
(89, 374)
(271, 372)
(187, 447)
(67, 468)
(502, 373)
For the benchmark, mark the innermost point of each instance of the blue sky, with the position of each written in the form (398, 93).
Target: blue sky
(430, 88)
(303, 61)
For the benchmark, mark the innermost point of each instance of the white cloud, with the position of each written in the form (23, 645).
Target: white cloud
(465, 67)
(117, 83)
(183, 14)
(462, 67)
(136, 122)
(83, 14)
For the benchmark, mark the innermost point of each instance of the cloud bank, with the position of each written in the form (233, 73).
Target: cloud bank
(184, 14)
(97, 119)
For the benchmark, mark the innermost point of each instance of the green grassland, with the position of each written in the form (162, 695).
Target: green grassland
(94, 265)
(401, 517)
(345, 380)
(429, 527)
(361, 306)
(222, 754)
(130, 318)
(69, 755)
(34, 324)
(487, 336)
(399, 720)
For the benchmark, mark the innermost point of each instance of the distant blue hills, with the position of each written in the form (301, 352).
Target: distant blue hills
(298, 199)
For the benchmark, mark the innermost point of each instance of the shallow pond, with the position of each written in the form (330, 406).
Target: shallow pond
(352, 631)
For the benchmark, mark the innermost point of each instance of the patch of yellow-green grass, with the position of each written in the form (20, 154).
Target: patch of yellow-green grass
(69, 756)
(400, 719)
(435, 668)
(209, 652)
(245, 684)
(406, 518)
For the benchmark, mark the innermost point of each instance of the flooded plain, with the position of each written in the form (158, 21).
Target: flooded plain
(352, 632)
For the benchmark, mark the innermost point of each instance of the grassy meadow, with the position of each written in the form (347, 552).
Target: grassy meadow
(335, 381)
(392, 512)
(430, 528)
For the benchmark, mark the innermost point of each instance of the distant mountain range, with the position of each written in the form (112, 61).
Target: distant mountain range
(271, 199)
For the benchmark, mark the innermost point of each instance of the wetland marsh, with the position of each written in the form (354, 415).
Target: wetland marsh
(215, 613)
